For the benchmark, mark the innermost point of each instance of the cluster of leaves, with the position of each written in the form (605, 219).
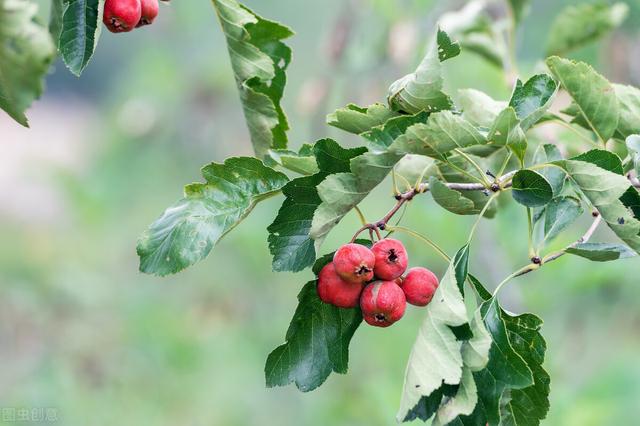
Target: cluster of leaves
(472, 363)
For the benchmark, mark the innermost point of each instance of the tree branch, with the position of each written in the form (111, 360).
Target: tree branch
(537, 262)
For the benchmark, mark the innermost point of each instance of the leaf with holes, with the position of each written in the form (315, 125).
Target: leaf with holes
(259, 59)
(422, 89)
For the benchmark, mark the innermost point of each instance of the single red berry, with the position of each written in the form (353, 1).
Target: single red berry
(354, 263)
(391, 259)
(150, 10)
(336, 291)
(419, 286)
(121, 15)
(382, 303)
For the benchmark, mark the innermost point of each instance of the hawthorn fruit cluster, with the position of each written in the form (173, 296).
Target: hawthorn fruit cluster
(122, 16)
(373, 279)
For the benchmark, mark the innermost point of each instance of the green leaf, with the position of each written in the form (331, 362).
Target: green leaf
(604, 159)
(506, 131)
(55, 19)
(302, 162)
(289, 241)
(422, 89)
(462, 403)
(187, 231)
(505, 372)
(527, 406)
(26, 51)
(341, 192)
(581, 24)
(592, 94)
(479, 108)
(442, 133)
(259, 59)
(438, 357)
(451, 199)
(531, 189)
(601, 252)
(514, 388)
(605, 190)
(381, 137)
(629, 102)
(447, 48)
(317, 341)
(548, 153)
(356, 119)
(519, 9)
(559, 214)
(532, 99)
(81, 27)
(633, 145)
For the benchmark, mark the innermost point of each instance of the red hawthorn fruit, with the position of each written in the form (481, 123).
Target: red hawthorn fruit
(336, 291)
(419, 286)
(121, 15)
(150, 10)
(382, 303)
(354, 263)
(391, 259)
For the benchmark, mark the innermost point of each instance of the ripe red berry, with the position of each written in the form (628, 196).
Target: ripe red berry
(391, 259)
(382, 303)
(121, 15)
(336, 291)
(354, 263)
(149, 12)
(419, 286)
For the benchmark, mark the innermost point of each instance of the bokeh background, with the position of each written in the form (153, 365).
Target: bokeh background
(83, 331)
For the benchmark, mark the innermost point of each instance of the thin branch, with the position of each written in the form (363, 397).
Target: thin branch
(537, 263)
(587, 235)
(500, 184)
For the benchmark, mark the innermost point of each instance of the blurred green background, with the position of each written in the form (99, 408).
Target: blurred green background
(82, 331)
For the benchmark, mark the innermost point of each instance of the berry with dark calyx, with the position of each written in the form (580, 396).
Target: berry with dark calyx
(121, 15)
(354, 263)
(150, 10)
(382, 303)
(391, 259)
(334, 290)
(419, 286)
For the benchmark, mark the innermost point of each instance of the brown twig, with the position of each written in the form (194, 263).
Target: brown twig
(401, 199)
(537, 262)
